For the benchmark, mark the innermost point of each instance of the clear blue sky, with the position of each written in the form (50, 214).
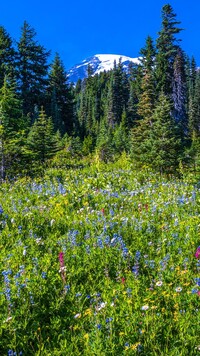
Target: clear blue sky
(77, 29)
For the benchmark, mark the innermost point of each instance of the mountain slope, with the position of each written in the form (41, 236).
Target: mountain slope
(99, 63)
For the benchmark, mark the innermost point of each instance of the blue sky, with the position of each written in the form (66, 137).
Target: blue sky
(77, 29)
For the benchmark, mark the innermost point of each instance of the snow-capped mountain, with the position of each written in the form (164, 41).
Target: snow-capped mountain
(99, 63)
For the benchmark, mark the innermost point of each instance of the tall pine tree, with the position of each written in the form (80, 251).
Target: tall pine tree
(32, 71)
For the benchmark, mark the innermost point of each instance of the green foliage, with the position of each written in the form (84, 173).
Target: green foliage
(166, 50)
(164, 141)
(155, 140)
(11, 128)
(7, 56)
(32, 71)
(42, 144)
(60, 101)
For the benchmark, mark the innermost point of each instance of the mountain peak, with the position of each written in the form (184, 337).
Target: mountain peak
(99, 63)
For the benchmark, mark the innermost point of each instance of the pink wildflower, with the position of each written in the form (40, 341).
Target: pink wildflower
(62, 266)
(123, 280)
(197, 253)
(61, 259)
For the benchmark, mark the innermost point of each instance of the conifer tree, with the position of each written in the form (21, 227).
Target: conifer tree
(32, 71)
(147, 97)
(7, 56)
(166, 50)
(11, 125)
(61, 101)
(42, 142)
(165, 142)
(179, 92)
(194, 123)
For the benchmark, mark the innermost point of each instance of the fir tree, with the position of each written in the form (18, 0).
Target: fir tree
(165, 143)
(32, 71)
(11, 125)
(7, 56)
(41, 141)
(61, 101)
(147, 97)
(194, 122)
(179, 92)
(166, 50)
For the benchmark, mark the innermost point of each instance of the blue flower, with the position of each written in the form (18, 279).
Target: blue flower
(108, 320)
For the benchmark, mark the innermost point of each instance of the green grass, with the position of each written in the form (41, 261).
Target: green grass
(128, 282)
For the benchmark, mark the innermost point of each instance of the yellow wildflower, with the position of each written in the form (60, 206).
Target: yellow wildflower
(134, 346)
(88, 312)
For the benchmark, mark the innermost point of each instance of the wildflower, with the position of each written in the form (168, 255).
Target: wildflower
(194, 291)
(44, 275)
(86, 336)
(88, 312)
(123, 280)
(77, 316)
(135, 346)
(78, 294)
(197, 253)
(67, 288)
(145, 307)
(52, 222)
(178, 289)
(197, 281)
(159, 283)
(61, 259)
(108, 320)
(101, 306)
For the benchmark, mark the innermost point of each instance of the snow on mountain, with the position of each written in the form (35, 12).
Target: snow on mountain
(99, 63)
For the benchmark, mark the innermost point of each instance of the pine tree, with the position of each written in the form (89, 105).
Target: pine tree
(164, 140)
(166, 50)
(7, 56)
(147, 97)
(32, 71)
(60, 98)
(116, 96)
(194, 122)
(42, 141)
(192, 93)
(11, 125)
(179, 92)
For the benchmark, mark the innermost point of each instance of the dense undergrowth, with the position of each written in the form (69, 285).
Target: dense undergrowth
(100, 260)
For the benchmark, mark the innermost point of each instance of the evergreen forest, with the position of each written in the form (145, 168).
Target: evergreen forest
(151, 112)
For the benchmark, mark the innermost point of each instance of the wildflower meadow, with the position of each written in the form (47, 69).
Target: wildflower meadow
(100, 260)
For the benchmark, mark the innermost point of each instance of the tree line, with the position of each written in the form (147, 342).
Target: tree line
(151, 111)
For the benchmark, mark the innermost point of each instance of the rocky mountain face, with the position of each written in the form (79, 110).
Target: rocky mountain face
(98, 63)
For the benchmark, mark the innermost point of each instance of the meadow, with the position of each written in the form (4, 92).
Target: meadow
(100, 260)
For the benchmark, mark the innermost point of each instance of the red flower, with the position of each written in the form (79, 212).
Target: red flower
(103, 211)
(123, 280)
